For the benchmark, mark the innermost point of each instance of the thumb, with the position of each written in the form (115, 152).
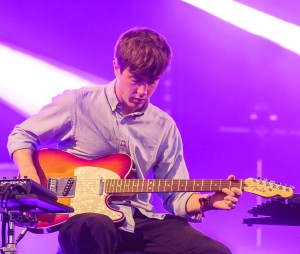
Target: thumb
(231, 177)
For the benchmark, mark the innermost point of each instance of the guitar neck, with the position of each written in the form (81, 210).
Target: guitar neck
(114, 186)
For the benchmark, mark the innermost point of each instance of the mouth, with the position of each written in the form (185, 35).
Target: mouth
(138, 100)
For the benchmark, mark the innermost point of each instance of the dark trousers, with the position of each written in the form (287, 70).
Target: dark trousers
(92, 233)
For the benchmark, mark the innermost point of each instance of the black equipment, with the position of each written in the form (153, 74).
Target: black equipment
(277, 211)
(21, 200)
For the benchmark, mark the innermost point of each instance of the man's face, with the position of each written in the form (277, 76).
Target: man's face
(132, 94)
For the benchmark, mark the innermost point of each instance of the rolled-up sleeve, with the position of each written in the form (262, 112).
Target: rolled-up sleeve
(53, 123)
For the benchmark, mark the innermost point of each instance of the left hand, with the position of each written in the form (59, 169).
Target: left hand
(227, 198)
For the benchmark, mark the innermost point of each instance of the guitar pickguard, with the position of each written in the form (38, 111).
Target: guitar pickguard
(90, 195)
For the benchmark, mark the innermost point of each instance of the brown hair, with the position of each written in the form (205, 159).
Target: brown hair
(144, 52)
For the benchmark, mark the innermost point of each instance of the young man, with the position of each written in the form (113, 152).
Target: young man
(93, 122)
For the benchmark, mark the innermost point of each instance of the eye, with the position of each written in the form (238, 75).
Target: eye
(138, 81)
(135, 81)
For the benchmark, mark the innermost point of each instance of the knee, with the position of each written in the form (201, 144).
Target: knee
(95, 220)
(216, 248)
(85, 233)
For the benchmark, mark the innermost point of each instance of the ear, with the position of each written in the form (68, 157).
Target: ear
(116, 68)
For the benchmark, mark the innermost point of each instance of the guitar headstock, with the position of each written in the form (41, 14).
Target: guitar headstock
(267, 189)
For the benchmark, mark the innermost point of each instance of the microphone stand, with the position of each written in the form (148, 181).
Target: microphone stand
(11, 246)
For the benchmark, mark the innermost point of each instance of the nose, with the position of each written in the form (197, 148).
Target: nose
(143, 89)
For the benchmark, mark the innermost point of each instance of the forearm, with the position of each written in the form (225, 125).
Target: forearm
(23, 160)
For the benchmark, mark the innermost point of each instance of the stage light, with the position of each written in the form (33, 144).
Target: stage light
(27, 82)
(277, 30)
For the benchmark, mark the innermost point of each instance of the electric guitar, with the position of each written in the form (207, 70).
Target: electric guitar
(90, 185)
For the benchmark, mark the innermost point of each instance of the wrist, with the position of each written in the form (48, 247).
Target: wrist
(206, 203)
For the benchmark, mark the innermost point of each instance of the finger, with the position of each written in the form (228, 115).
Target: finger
(232, 205)
(237, 192)
(231, 199)
(228, 192)
(229, 204)
(233, 191)
(231, 177)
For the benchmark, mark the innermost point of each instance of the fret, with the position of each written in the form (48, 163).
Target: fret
(180, 185)
(119, 186)
(150, 185)
(106, 186)
(116, 185)
(129, 184)
(197, 186)
(112, 185)
(143, 183)
(216, 185)
(169, 185)
(123, 185)
(137, 185)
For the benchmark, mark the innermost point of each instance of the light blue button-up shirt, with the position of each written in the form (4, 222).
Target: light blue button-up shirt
(88, 123)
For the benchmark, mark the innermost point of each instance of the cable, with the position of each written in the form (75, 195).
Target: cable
(21, 235)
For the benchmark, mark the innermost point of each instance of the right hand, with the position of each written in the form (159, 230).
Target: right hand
(23, 159)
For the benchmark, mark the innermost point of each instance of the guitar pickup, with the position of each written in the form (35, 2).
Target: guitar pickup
(63, 187)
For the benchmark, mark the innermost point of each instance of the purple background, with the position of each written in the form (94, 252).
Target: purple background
(218, 77)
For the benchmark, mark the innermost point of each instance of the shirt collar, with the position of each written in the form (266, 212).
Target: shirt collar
(111, 96)
(114, 102)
